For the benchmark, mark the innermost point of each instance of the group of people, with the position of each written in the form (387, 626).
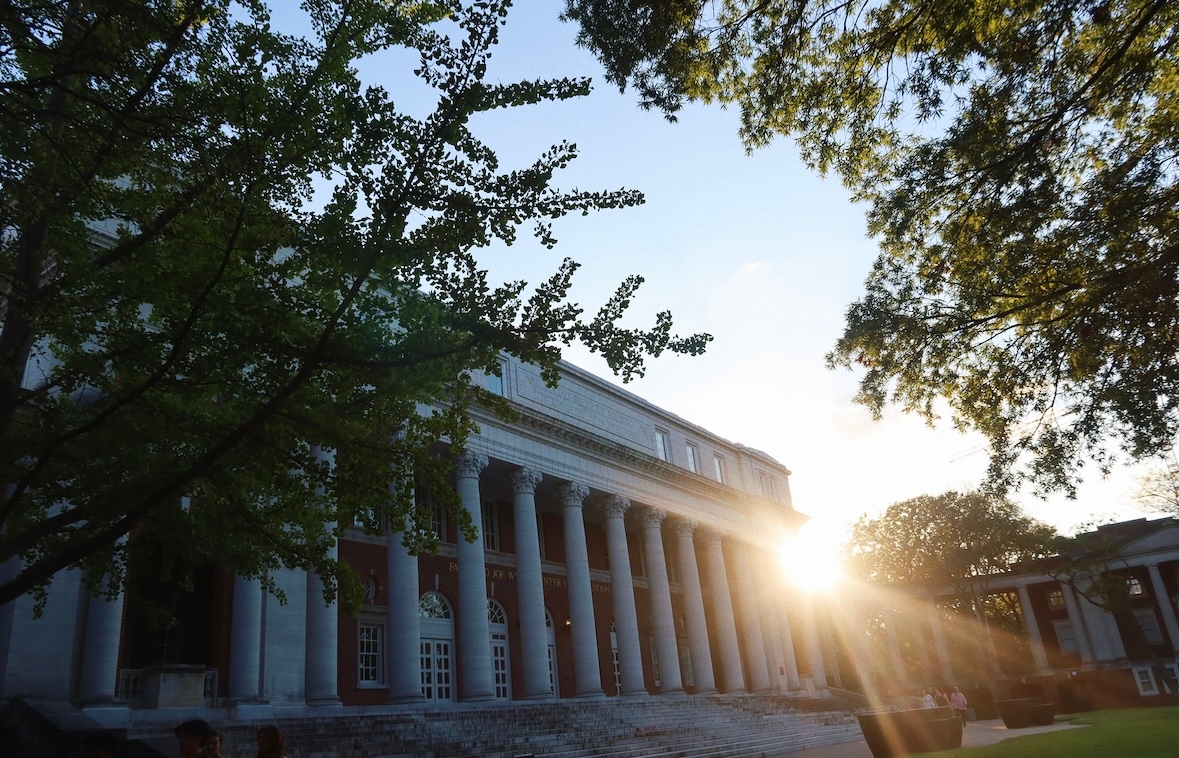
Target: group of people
(939, 699)
(197, 739)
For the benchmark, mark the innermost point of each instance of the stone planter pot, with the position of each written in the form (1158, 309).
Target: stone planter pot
(1024, 712)
(891, 734)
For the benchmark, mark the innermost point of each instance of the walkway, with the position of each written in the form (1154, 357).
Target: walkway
(976, 734)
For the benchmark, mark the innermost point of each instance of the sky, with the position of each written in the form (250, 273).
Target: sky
(754, 249)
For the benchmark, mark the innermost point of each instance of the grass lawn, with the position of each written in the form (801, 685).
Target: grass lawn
(1130, 733)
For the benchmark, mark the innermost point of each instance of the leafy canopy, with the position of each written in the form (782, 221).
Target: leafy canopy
(955, 539)
(1019, 160)
(224, 255)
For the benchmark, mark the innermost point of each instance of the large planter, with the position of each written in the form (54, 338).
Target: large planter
(1024, 712)
(891, 734)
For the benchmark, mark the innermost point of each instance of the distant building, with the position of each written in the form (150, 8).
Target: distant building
(622, 551)
(1053, 641)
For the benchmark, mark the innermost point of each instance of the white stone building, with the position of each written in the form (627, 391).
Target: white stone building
(623, 551)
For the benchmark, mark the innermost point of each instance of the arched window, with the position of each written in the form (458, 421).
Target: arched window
(434, 606)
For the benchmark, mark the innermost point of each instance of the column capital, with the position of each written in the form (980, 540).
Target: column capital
(710, 535)
(685, 527)
(468, 464)
(614, 506)
(572, 494)
(524, 480)
(651, 517)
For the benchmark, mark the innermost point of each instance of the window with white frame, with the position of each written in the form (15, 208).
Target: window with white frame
(769, 486)
(1144, 678)
(693, 453)
(1171, 677)
(718, 467)
(437, 514)
(1056, 600)
(493, 382)
(1066, 637)
(490, 527)
(686, 672)
(662, 445)
(673, 567)
(1149, 624)
(370, 655)
(1134, 587)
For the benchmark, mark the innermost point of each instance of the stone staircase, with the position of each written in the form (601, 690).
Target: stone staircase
(684, 727)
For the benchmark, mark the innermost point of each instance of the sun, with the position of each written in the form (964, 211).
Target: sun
(811, 559)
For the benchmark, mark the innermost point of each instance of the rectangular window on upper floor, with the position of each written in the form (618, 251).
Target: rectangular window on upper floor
(718, 468)
(693, 457)
(437, 513)
(1056, 600)
(662, 445)
(768, 485)
(1149, 624)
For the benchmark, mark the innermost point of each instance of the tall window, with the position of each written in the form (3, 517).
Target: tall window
(494, 383)
(1149, 624)
(370, 655)
(718, 467)
(662, 445)
(693, 458)
(769, 486)
(1144, 677)
(654, 659)
(1066, 638)
(437, 514)
(490, 527)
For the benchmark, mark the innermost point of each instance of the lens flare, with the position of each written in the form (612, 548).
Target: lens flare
(811, 559)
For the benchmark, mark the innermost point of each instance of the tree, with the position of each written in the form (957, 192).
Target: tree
(953, 541)
(226, 260)
(1158, 486)
(1018, 159)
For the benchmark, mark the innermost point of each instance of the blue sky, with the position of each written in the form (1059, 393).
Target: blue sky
(754, 249)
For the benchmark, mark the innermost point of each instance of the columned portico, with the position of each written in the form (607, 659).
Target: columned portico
(245, 641)
(581, 602)
(1079, 625)
(476, 682)
(533, 637)
(1166, 607)
(755, 650)
(694, 608)
(1035, 641)
(626, 623)
(722, 609)
(662, 616)
(814, 643)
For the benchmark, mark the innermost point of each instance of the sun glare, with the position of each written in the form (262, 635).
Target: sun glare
(811, 560)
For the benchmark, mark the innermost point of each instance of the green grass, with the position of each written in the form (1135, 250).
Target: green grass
(1130, 733)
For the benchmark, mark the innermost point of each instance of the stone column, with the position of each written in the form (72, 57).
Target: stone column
(814, 644)
(530, 587)
(622, 590)
(787, 636)
(1080, 628)
(694, 608)
(939, 643)
(403, 627)
(894, 646)
(100, 651)
(755, 650)
(476, 679)
(245, 641)
(722, 611)
(1035, 641)
(775, 661)
(586, 671)
(1165, 605)
(662, 616)
(319, 672)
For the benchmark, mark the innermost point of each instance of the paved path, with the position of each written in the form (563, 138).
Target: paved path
(976, 734)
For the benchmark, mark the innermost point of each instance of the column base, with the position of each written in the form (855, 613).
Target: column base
(324, 702)
(247, 710)
(599, 695)
(406, 699)
(540, 696)
(636, 693)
